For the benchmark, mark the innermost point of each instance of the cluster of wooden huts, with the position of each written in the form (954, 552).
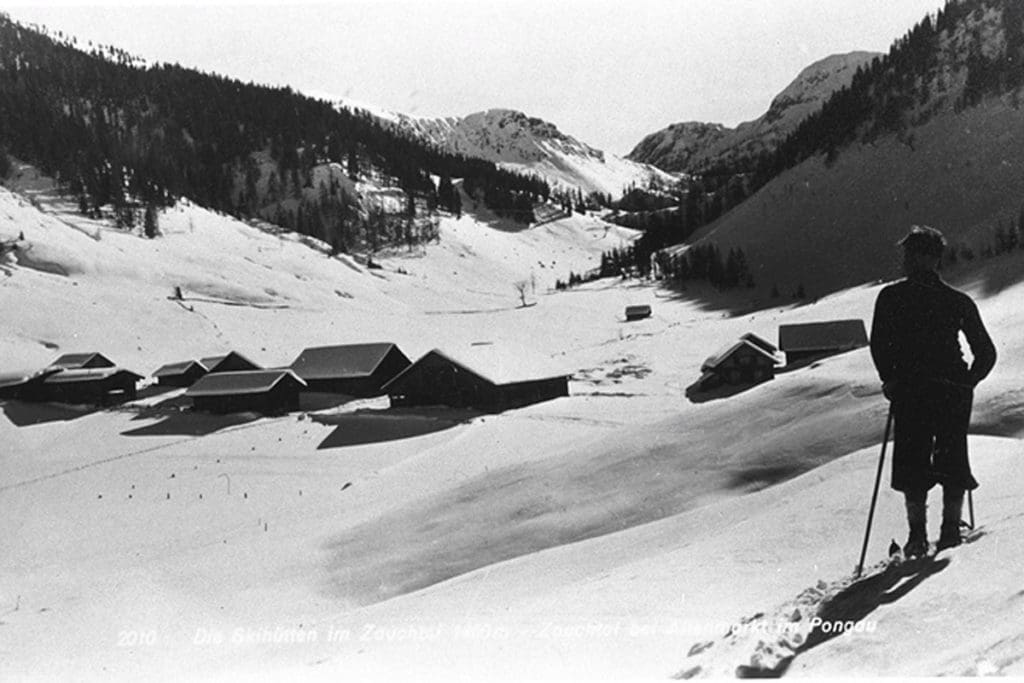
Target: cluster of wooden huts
(752, 359)
(483, 376)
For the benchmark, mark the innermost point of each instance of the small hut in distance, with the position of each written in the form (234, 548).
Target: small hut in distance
(637, 312)
(359, 370)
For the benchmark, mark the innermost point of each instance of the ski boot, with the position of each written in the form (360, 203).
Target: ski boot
(917, 542)
(952, 509)
(949, 536)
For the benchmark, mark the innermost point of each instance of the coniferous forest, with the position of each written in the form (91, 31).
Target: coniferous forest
(115, 132)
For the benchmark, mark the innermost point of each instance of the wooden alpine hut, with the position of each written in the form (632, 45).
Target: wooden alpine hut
(744, 362)
(483, 376)
(637, 312)
(808, 341)
(93, 386)
(354, 369)
(263, 391)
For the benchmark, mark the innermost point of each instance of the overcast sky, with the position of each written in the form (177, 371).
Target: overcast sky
(608, 73)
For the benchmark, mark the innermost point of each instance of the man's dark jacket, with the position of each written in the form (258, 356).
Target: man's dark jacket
(915, 334)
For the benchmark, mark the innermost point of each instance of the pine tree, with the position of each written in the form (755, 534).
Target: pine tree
(151, 221)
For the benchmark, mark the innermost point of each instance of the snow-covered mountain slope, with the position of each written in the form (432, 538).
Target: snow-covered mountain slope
(833, 225)
(530, 145)
(694, 145)
(595, 536)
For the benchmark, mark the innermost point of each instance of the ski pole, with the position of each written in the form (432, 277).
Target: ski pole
(874, 495)
(970, 507)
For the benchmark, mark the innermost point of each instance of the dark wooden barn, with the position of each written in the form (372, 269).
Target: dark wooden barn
(92, 386)
(88, 359)
(353, 369)
(21, 384)
(638, 312)
(745, 362)
(808, 341)
(269, 392)
(181, 374)
(482, 377)
(229, 362)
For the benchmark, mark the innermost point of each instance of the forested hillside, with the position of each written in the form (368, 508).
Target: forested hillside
(969, 53)
(117, 132)
(972, 48)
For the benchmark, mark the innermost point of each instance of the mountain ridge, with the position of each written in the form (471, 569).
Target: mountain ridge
(521, 143)
(695, 145)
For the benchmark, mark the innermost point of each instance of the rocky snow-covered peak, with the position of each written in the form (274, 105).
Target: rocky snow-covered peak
(499, 135)
(692, 146)
(527, 144)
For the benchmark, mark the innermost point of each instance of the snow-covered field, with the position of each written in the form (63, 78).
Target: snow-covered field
(597, 536)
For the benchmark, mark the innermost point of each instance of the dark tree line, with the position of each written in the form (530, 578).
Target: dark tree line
(1005, 238)
(699, 201)
(109, 129)
(505, 198)
(705, 262)
(700, 262)
(577, 279)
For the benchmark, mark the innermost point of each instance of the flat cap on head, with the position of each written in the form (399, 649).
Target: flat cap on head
(924, 240)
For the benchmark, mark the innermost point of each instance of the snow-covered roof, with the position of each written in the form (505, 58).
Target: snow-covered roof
(717, 359)
(209, 361)
(81, 360)
(212, 362)
(241, 382)
(178, 368)
(760, 341)
(346, 360)
(823, 336)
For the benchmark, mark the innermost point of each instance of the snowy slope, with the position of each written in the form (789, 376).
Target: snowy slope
(694, 145)
(530, 145)
(596, 536)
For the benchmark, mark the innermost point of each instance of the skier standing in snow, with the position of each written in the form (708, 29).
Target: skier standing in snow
(916, 349)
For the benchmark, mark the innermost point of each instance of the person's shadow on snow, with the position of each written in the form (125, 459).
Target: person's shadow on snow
(857, 601)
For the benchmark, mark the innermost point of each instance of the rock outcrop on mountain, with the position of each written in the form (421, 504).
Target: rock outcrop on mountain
(696, 146)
